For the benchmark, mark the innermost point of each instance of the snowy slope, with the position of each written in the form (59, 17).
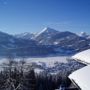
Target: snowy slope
(66, 39)
(48, 41)
(48, 61)
(47, 31)
(45, 35)
(84, 35)
(51, 65)
(25, 35)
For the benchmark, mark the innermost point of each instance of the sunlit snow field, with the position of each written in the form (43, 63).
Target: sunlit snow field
(49, 61)
(48, 64)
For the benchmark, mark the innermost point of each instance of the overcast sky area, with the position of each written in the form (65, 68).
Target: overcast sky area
(17, 16)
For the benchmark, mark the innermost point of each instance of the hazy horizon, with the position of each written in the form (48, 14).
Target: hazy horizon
(37, 32)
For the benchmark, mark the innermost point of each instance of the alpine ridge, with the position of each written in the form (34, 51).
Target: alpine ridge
(48, 41)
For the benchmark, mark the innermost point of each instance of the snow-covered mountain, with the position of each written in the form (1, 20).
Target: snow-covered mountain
(25, 35)
(8, 43)
(48, 41)
(45, 35)
(56, 38)
(66, 39)
(47, 31)
(84, 34)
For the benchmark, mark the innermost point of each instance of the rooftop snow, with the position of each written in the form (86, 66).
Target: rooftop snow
(81, 77)
(83, 56)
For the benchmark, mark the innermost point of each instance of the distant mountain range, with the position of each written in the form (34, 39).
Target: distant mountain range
(46, 42)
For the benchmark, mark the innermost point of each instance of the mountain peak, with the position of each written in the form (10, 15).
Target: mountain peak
(47, 30)
(83, 34)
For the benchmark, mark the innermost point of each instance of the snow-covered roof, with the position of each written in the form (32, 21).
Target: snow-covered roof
(82, 77)
(83, 56)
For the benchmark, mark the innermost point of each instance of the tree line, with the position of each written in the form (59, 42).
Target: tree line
(17, 77)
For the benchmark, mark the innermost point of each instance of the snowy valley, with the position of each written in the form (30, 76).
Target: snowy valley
(40, 58)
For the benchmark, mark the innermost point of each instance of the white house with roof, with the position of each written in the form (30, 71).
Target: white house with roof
(83, 56)
(81, 77)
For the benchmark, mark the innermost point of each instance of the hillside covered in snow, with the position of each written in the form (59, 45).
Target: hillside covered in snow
(47, 42)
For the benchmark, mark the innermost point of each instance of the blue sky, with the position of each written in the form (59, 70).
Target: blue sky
(17, 16)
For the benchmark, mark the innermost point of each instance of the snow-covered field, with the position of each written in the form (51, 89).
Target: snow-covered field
(61, 64)
(48, 61)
